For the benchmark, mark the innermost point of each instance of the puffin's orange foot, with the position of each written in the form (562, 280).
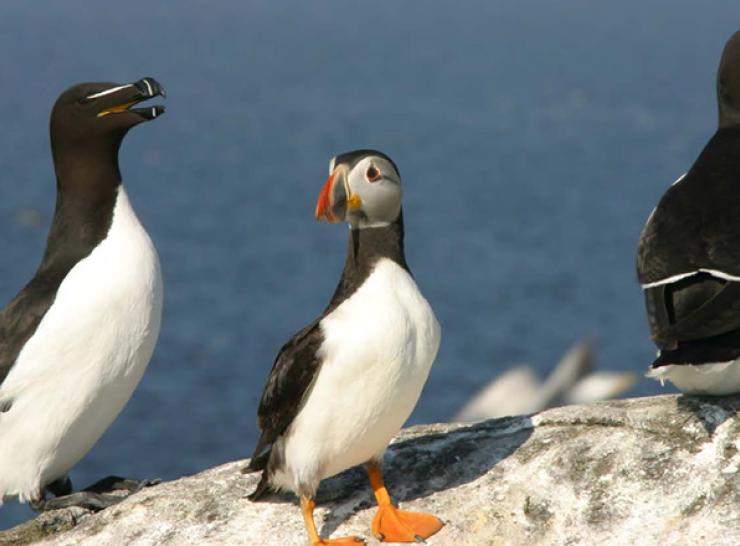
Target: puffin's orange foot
(343, 541)
(393, 525)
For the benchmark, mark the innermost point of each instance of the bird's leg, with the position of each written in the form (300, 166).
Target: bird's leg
(98, 496)
(393, 525)
(307, 506)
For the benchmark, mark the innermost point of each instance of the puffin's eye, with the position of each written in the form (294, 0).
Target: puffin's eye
(372, 173)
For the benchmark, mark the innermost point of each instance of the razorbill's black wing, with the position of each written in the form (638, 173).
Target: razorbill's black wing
(18, 321)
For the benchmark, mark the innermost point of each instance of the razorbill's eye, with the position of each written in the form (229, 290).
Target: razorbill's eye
(372, 174)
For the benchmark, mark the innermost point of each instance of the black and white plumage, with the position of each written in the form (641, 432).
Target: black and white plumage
(77, 338)
(345, 384)
(688, 258)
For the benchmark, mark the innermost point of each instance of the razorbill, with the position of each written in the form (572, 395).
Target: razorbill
(688, 257)
(345, 384)
(77, 338)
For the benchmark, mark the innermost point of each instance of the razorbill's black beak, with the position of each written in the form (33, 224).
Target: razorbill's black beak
(119, 100)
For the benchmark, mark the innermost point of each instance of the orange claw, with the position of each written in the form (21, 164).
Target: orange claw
(393, 525)
(307, 507)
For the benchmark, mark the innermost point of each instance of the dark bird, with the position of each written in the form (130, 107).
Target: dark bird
(345, 384)
(688, 258)
(77, 338)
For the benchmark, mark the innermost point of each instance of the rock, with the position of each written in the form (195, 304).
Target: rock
(646, 471)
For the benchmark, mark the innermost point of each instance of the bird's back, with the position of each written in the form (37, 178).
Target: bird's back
(696, 221)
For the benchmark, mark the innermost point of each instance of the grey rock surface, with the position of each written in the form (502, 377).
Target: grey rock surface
(650, 471)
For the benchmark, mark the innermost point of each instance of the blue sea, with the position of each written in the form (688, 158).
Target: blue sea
(533, 138)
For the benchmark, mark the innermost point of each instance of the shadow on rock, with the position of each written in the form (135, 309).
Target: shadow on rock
(710, 411)
(424, 462)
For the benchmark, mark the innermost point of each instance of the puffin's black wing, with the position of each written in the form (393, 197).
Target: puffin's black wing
(689, 251)
(21, 317)
(290, 378)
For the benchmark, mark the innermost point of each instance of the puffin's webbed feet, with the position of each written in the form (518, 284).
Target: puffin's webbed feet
(393, 525)
(96, 497)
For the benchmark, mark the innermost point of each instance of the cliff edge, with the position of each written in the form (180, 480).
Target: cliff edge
(645, 471)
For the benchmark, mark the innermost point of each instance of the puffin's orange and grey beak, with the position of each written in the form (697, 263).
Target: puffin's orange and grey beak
(332, 203)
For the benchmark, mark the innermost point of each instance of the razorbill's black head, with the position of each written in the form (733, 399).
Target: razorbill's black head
(728, 83)
(363, 189)
(89, 120)
(89, 112)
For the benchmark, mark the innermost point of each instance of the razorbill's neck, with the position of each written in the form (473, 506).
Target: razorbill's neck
(88, 123)
(88, 178)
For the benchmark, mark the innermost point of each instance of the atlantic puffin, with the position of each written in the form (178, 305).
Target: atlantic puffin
(75, 341)
(342, 386)
(688, 257)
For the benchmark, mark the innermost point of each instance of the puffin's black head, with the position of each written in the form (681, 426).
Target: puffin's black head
(101, 113)
(363, 189)
(728, 83)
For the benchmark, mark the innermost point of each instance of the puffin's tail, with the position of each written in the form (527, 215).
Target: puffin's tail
(256, 464)
(258, 460)
(262, 488)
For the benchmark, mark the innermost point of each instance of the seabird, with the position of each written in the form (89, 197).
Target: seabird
(688, 257)
(345, 384)
(77, 338)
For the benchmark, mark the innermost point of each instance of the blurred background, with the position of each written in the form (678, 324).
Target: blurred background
(533, 138)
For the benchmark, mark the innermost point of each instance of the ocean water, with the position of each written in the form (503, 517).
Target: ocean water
(533, 139)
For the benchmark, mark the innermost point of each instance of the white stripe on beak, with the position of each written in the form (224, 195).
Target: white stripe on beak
(109, 91)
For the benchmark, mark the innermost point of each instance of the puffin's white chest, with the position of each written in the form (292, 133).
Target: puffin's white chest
(87, 355)
(378, 348)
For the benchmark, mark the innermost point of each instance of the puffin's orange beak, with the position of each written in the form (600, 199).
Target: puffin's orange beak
(335, 201)
(324, 204)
